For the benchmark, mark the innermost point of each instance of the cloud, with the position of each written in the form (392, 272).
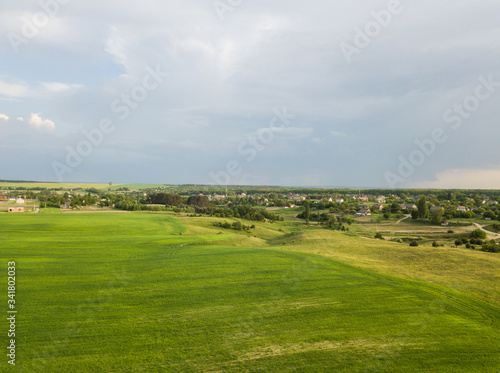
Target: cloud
(4, 117)
(228, 76)
(42, 125)
(338, 134)
(20, 119)
(42, 90)
(464, 179)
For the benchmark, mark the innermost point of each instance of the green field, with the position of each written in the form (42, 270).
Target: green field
(138, 292)
(50, 185)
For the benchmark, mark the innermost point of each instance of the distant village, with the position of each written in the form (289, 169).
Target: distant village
(443, 204)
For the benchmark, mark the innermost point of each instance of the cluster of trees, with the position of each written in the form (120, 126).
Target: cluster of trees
(330, 220)
(239, 226)
(198, 201)
(57, 200)
(476, 238)
(242, 212)
(167, 199)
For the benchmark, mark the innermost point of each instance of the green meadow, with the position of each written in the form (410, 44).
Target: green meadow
(143, 292)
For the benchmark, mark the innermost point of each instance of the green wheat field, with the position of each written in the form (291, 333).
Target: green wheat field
(145, 292)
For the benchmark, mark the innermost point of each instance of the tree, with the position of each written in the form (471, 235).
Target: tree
(437, 216)
(414, 214)
(200, 201)
(423, 209)
(332, 220)
(478, 233)
(489, 215)
(307, 212)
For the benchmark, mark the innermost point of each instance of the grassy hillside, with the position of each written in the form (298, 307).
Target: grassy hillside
(154, 293)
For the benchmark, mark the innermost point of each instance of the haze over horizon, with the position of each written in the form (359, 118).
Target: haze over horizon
(378, 94)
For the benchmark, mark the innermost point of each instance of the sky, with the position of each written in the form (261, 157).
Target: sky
(387, 94)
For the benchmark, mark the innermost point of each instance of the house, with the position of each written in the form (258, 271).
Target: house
(462, 208)
(436, 208)
(339, 200)
(16, 209)
(3, 197)
(409, 206)
(66, 205)
(20, 201)
(364, 212)
(378, 207)
(492, 202)
(296, 197)
(381, 199)
(363, 198)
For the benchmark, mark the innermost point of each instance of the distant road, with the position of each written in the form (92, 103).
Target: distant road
(490, 234)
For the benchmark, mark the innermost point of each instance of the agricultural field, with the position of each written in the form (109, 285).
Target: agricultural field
(166, 292)
(50, 185)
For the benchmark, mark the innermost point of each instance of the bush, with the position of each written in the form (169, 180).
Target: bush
(491, 247)
(477, 233)
(379, 236)
(413, 243)
(435, 244)
(450, 231)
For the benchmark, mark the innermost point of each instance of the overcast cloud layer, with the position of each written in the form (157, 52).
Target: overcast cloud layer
(316, 93)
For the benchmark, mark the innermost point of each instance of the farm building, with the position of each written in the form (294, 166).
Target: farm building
(20, 200)
(16, 209)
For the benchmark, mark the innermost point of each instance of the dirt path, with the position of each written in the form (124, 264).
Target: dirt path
(490, 234)
(406, 217)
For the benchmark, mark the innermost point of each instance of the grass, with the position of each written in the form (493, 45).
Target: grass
(155, 293)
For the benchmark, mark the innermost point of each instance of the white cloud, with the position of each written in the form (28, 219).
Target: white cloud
(21, 89)
(464, 179)
(54, 87)
(15, 90)
(4, 117)
(20, 119)
(42, 125)
(338, 134)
